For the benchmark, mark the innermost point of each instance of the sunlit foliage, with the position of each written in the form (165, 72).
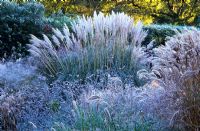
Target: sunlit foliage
(160, 11)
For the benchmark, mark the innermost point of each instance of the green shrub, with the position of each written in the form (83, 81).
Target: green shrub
(160, 32)
(17, 22)
(58, 20)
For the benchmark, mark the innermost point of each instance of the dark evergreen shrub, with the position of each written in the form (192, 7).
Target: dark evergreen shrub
(17, 22)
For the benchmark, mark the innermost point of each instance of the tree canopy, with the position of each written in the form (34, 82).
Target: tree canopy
(159, 11)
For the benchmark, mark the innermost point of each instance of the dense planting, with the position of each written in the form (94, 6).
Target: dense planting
(100, 72)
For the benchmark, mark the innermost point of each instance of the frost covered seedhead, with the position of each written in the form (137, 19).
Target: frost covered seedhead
(176, 66)
(180, 55)
(115, 28)
(129, 108)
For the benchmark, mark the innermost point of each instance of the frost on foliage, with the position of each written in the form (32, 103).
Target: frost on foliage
(116, 28)
(15, 72)
(113, 28)
(176, 67)
(128, 107)
(27, 101)
(177, 59)
(12, 78)
(98, 42)
(180, 56)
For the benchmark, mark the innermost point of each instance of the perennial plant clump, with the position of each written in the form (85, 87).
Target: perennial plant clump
(100, 43)
(176, 67)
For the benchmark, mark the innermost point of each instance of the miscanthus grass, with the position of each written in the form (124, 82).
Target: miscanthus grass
(176, 67)
(108, 43)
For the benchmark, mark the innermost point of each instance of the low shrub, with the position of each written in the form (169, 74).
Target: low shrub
(27, 102)
(99, 43)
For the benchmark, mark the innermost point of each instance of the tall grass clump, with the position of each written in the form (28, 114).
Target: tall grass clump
(110, 43)
(176, 67)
